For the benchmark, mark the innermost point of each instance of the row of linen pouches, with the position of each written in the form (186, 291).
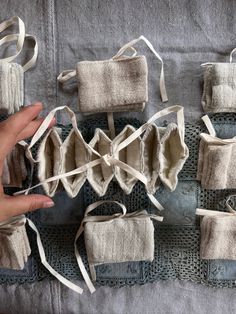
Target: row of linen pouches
(216, 163)
(150, 154)
(14, 243)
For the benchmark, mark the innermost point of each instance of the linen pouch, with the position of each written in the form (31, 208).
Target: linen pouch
(12, 74)
(117, 238)
(219, 91)
(14, 243)
(218, 231)
(114, 85)
(216, 161)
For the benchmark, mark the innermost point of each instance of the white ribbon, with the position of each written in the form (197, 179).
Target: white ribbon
(10, 225)
(43, 259)
(150, 46)
(8, 38)
(231, 55)
(20, 38)
(212, 63)
(207, 212)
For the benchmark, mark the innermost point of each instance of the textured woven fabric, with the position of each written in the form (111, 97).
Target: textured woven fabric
(14, 247)
(49, 155)
(126, 239)
(14, 168)
(219, 88)
(218, 238)
(177, 239)
(217, 166)
(11, 86)
(112, 85)
(216, 169)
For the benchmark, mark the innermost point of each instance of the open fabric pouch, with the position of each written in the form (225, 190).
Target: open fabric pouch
(12, 74)
(114, 239)
(216, 161)
(218, 233)
(149, 154)
(14, 243)
(114, 85)
(219, 91)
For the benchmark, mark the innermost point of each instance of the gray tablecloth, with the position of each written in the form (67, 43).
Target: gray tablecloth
(186, 33)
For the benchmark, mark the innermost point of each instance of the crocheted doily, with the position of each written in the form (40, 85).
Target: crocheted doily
(176, 240)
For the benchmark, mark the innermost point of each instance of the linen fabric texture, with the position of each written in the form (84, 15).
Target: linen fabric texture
(216, 160)
(119, 240)
(12, 74)
(14, 243)
(219, 92)
(218, 237)
(11, 86)
(14, 168)
(112, 85)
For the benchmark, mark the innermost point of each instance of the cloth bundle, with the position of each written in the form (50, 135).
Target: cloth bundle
(114, 85)
(14, 243)
(116, 238)
(12, 74)
(149, 154)
(219, 92)
(14, 167)
(218, 230)
(216, 162)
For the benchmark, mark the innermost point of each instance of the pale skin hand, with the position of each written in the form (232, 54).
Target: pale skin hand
(18, 127)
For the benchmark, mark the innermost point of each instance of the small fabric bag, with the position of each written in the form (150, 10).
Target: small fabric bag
(216, 161)
(12, 74)
(14, 243)
(219, 92)
(114, 85)
(116, 238)
(218, 233)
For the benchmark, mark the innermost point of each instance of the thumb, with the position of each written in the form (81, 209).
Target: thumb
(17, 205)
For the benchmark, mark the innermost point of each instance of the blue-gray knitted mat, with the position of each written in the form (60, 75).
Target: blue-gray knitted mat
(176, 240)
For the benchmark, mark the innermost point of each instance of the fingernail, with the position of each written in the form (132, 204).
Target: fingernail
(48, 204)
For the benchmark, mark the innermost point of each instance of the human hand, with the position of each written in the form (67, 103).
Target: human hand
(20, 126)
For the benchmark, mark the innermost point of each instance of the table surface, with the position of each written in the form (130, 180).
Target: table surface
(186, 34)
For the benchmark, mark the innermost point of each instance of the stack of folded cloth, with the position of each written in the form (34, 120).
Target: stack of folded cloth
(14, 243)
(14, 168)
(218, 237)
(112, 85)
(219, 93)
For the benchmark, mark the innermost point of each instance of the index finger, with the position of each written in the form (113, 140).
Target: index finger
(11, 127)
